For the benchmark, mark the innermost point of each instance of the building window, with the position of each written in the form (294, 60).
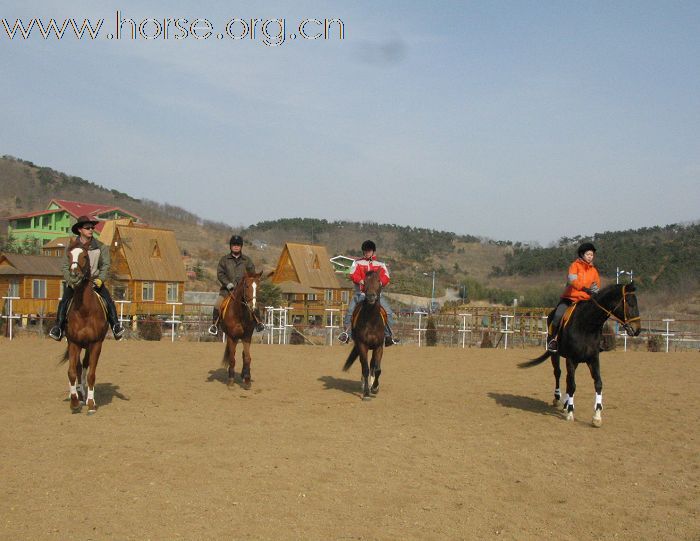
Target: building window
(311, 297)
(13, 288)
(345, 296)
(172, 291)
(38, 289)
(329, 295)
(147, 291)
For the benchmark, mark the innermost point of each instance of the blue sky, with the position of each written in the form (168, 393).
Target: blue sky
(520, 121)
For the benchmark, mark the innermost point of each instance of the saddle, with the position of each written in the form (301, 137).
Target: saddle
(356, 313)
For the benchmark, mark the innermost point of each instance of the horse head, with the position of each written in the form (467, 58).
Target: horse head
(620, 302)
(373, 287)
(250, 286)
(79, 263)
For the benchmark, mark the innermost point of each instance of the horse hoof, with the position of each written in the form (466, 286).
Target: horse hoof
(366, 397)
(246, 384)
(597, 420)
(231, 382)
(374, 390)
(557, 403)
(570, 416)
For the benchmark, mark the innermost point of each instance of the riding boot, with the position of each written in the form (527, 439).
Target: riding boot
(213, 329)
(389, 339)
(56, 331)
(112, 317)
(552, 342)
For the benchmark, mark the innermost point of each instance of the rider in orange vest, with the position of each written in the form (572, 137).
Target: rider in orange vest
(583, 281)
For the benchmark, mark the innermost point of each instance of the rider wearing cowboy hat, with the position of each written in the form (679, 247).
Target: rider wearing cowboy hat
(100, 262)
(232, 267)
(357, 273)
(582, 282)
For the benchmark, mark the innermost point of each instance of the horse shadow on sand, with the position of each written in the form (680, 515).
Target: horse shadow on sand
(350, 386)
(524, 403)
(220, 375)
(105, 393)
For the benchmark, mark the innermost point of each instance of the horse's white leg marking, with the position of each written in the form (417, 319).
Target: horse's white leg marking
(73, 389)
(570, 414)
(255, 288)
(598, 401)
(91, 394)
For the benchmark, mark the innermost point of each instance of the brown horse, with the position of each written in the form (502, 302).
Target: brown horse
(86, 327)
(368, 322)
(238, 323)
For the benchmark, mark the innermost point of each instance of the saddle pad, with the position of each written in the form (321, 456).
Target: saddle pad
(567, 315)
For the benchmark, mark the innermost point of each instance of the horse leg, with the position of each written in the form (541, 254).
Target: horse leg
(245, 370)
(363, 351)
(73, 360)
(80, 381)
(231, 358)
(376, 369)
(557, 376)
(93, 355)
(594, 367)
(570, 389)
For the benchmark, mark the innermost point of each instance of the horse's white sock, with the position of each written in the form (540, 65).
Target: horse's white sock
(598, 400)
(91, 394)
(73, 389)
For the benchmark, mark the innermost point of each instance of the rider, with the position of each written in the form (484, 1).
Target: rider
(358, 270)
(99, 257)
(582, 282)
(232, 267)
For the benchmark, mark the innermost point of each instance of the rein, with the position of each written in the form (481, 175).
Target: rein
(625, 321)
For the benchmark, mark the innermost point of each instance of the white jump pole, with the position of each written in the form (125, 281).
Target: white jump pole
(173, 320)
(419, 329)
(10, 315)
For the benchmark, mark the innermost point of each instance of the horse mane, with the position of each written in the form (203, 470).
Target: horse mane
(75, 242)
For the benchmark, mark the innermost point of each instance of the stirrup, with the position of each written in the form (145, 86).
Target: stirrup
(118, 331)
(390, 341)
(553, 345)
(56, 333)
(344, 337)
(214, 330)
(259, 327)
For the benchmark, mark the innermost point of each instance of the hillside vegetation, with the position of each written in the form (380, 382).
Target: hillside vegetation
(662, 258)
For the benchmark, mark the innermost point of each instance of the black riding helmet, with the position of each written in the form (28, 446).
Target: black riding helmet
(236, 240)
(585, 247)
(369, 245)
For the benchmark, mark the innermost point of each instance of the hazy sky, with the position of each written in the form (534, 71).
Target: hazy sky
(512, 120)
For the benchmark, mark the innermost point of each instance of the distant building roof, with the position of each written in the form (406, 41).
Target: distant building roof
(151, 254)
(306, 264)
(32, 265)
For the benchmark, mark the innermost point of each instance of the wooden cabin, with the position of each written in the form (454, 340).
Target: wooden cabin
(309, 283)
(147, 269)
(36, 279)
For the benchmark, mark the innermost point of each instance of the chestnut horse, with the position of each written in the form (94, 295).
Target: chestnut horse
(368, 322)
(580, 337)
(238, 323)
(86, 327)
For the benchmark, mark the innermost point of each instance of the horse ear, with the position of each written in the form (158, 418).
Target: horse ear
(631, 287)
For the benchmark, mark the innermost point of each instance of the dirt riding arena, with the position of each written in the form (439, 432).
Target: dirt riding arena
(459, 444)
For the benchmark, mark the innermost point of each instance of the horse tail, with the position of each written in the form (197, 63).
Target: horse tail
(64, 357)
(534, 362)
(354, 354)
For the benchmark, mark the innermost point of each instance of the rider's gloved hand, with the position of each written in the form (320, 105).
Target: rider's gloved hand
(230, 286)
(98, 283)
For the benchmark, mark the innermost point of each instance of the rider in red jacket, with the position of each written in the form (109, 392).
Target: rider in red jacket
(358, 270)
(583, 281)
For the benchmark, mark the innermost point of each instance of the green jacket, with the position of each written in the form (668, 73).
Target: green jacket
(232, 269)
(100, 261)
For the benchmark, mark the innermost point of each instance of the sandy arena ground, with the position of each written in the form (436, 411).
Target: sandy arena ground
(459, 444)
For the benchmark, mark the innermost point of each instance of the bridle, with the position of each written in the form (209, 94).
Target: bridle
(626, 320)
(248, 303)
(377, 295)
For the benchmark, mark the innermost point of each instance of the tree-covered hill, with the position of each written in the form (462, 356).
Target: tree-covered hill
(660, 257)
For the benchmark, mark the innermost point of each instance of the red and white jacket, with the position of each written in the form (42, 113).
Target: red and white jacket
(360, 267)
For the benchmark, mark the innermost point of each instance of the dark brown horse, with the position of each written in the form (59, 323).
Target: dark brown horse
(238, 322)
(368, 322)
(86, 327)
(580, 338)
